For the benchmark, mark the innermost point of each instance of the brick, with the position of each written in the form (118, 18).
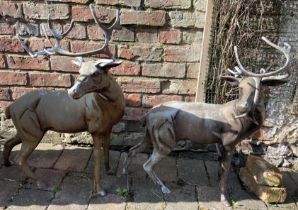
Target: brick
(37, 44)
(3, 106)
(148, 18)
(20, 91)
(10, 45)
(6, 29)
(80, 1)
(170, 36)
(186, 53)
(146, 36)
(10, 9)
(171, 70)
(38, 11)
(190, 98)
(173, 4)
(133, 100)
(77, 32)
(139, 85)
(5, 94)
(83, 13)
(50, 80)
(56, 26)
(82, 46)
(13, 78)
(124, 35)
(150, 101)
(200, 5)
(27, 62)
(63, 63)
(94, 32)
(187, 19)
(192, 36)
(192, 70)
(131, 3)
(127, 68)
(133, 113)
(28, 29)
(181, 87)
(2, 62)
(141, 53)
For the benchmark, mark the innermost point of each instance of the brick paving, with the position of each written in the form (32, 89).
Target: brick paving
(68, 173)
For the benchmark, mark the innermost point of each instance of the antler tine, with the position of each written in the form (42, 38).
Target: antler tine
(285, 50)
(56, 48)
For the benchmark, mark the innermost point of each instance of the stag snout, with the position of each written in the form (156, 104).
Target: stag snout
(74, 91)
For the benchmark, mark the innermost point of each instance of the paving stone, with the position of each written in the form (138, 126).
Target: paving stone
(114, 160)
(136, 165)
(212, 170)
(209, 198)
(192, 171)
(31, 199)
(166, 169)
(244, 199)
(7, 190)
(45, 155)
(111, 201)
(52, 178)
(74, 194)
(73, 158)
(288, 205)
(147, 195)
(12, 173)
(181, 197)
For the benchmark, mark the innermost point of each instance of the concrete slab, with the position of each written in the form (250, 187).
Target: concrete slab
(12, 173)
(181, 197)
(45, 155)
(192, 171)
(212, 171)
(75, 193)
(31, 199)
(111, 201)
(73, 158)
(166, 169)
(209, 198)
(7, 190)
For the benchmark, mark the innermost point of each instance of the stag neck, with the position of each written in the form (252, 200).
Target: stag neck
(113, 92)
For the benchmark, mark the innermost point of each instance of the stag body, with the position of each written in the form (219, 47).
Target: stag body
(224, 124)
(98, 104)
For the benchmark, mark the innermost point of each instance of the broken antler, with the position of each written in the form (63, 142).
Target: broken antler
(57, 49)
(285, 50)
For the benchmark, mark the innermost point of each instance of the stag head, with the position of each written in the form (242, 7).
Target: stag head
(93, 77)
(250, 84)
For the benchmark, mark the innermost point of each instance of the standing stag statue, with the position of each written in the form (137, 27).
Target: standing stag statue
(94, 104)
(224, 124)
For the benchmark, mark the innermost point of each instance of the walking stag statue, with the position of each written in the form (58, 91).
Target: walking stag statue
(224, 124)
(94, 104)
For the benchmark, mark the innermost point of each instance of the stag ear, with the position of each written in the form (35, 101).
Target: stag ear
(78, 61)
(107, 63)
(231, 80)
(275, 80)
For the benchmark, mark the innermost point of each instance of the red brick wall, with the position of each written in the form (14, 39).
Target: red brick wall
(159, 41)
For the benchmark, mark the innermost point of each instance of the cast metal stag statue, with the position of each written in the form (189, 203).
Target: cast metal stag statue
(94, 104)
(224, 124)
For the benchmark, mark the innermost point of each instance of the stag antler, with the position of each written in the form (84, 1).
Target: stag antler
(57, 49)
(241, 70)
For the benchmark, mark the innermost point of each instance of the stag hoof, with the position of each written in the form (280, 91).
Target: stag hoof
(165, 190)
(225, 201)
(101, 193)
(7, 163)
(41, 185)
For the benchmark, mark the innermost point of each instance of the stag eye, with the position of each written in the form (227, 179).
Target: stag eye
(95, 74)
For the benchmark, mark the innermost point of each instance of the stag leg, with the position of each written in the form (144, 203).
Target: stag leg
(140, 147)
(148, 167)
(8, 146)
(106, 153)
(225, 168)
(97, 142)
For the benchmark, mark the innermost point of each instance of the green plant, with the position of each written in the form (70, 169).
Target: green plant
(234, 204)
(122, 192)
